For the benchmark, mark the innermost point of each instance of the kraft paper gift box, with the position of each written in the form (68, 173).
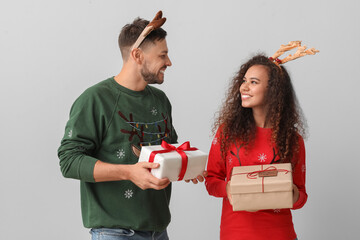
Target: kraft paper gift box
(260, 187)
(173, 163)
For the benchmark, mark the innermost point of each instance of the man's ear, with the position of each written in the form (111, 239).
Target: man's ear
(138, 55)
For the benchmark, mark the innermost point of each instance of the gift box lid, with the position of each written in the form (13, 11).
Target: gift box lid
(146, 150)
(171, 162)
(253, 179)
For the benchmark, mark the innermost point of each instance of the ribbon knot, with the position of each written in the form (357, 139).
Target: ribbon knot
(256, 174)
(170, 148)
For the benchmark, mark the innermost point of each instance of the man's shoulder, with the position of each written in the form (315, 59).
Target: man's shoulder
(98, 93)
(101, 90)
(104, 86)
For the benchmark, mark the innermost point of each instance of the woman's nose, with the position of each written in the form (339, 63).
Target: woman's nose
(244, 86)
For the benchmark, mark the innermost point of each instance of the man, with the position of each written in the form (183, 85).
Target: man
(108, 124)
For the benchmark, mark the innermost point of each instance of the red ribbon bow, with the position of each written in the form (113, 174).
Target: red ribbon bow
(170, 148)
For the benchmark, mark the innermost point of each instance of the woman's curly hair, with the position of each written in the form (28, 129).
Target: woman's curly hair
(284, 115)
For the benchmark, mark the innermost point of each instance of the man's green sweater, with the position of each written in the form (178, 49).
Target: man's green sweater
(109, 122)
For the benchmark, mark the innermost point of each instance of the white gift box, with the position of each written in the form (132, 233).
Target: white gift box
(171, 162)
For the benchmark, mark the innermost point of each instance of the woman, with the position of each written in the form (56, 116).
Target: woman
(259, 123)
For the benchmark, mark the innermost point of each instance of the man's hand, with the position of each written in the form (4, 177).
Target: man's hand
(140, 175)
(199, 178)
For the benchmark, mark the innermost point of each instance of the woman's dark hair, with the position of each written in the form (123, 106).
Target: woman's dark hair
(284, 115)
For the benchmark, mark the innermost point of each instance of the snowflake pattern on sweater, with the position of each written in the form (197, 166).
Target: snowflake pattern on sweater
(128, 193)
(262, 157)
(120, 153)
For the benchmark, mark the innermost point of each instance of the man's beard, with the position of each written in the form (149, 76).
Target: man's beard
(149, 77)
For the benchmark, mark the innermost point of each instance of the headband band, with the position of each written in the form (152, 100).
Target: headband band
(156, 23)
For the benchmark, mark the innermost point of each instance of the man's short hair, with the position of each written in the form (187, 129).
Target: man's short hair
(130, 33)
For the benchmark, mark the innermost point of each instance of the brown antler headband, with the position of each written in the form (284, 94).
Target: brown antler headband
(156, 23)
(300, 52)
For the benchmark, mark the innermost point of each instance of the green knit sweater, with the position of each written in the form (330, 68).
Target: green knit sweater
(109, 122)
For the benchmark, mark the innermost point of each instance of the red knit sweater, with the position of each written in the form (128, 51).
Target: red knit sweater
(264, 224)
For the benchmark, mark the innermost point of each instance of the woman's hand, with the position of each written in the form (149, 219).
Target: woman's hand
(228, 192)
(296, 194)
(199, 178)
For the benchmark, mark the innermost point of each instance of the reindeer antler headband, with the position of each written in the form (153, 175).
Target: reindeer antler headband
(156, 23)
(300, 52)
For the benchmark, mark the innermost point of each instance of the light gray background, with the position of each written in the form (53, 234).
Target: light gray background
(51, 51)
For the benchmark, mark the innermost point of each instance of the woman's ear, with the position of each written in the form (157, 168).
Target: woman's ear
(137, 54)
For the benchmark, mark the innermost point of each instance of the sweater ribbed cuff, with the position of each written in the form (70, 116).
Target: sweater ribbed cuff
(87, 169)
(301, 201)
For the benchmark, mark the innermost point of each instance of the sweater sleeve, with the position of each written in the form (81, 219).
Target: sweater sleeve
(299, 176)
(215, 181)
(82, 137)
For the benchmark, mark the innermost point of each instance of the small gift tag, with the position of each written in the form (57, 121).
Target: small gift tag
(268, 173)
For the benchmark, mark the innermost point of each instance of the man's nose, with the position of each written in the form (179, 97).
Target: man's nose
(168, 62)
